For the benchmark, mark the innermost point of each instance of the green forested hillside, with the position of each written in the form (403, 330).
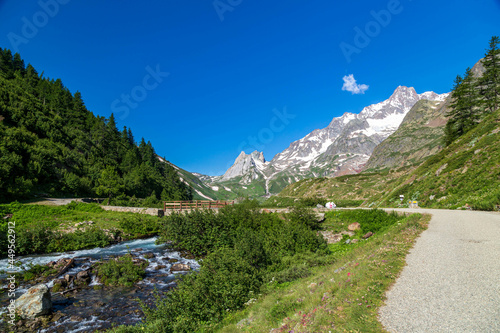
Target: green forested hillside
(50, 144)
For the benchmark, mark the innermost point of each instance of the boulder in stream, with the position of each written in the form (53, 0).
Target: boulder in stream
(180, 268)
(83, 277)
(35, 302)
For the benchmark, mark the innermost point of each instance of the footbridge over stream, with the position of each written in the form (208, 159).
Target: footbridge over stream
(180, 206)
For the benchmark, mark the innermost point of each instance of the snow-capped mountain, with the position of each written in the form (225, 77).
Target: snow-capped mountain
(371, 126)
(343, 147)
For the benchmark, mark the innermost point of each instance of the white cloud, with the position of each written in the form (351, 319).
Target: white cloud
(351, 85)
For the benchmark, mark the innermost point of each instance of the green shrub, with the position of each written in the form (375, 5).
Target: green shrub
(78, 240)
(223, 283)
(33, 239)
(308, 202)
(244, 248)
(139, 225)
(121, 271)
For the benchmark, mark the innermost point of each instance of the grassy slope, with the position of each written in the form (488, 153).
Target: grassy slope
(341, 297)
(363, 186)
(257, 188)
(205, 190)
(419, 136)
(466, 172)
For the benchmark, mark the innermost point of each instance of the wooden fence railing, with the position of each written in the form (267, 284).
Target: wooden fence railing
(197, 204)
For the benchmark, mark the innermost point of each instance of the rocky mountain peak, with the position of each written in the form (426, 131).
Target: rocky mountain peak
(240, 157)
(404, 92)
(244, 164)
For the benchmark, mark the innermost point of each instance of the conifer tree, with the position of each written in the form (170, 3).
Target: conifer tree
(464, 112)
(18, 64)
(490, 81)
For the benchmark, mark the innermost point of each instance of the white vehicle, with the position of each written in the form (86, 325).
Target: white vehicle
(330, 205)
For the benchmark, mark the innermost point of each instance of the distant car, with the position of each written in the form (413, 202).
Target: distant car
(330, 205)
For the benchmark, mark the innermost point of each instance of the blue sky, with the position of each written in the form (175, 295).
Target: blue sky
(203, 80)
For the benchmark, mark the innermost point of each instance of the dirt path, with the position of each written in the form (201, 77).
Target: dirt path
(452, 279)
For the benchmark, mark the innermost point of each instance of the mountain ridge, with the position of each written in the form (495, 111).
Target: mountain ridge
(343, 147)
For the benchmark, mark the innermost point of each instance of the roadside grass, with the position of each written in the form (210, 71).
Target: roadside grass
(342, 297)
(283, 202)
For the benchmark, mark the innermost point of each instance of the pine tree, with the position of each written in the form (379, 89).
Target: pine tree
(18, 64)
(490, 81)
(131, 137)
(464, 113)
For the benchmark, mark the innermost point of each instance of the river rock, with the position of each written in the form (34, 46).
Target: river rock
(76, 318)
(35, 302)
(368, 235)
(83, 277)
(58, 315)
(180, 268)
(354, 226)
(187, 255)
(172, 261)
(59, 285)
(68, 278)
(149, 255)
(62, 282)
(158, 267)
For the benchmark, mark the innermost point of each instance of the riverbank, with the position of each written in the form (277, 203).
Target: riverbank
(95, 306)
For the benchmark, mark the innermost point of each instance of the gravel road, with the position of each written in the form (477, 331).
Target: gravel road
(452, 279)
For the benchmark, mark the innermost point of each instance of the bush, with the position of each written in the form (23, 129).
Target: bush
(139, 225)
(33, 239)
(121, 271)
(242, 246)
(78, 240)
(223, 283)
